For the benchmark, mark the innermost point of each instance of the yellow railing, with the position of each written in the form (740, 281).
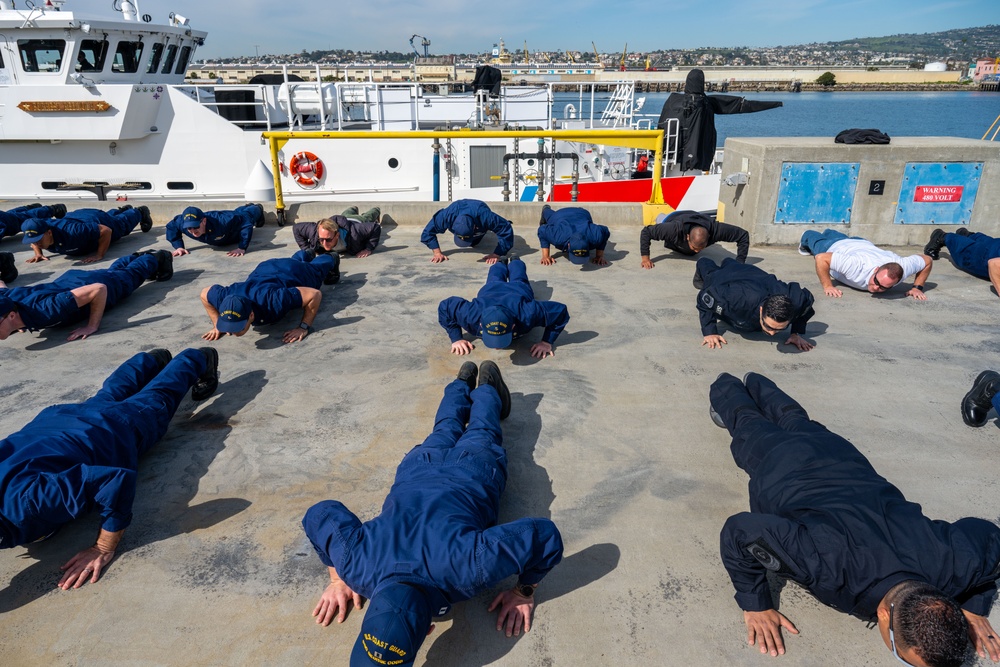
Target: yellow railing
(644, 139)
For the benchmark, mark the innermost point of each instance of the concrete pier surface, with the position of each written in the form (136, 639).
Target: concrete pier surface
(610, 438)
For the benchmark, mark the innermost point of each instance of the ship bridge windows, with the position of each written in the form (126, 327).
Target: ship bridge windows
(168, 61)
(127, 58)
(41, 55)
(155, 54)
(92, 54)
(183, 61)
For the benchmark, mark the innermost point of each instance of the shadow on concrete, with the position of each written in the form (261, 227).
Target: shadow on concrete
(335, 299)
(611, 253)
(167, 482)
(25, 278)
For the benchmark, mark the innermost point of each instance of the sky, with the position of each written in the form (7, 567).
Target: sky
(244, 27)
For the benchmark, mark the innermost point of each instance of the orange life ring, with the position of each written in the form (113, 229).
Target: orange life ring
(306, 169)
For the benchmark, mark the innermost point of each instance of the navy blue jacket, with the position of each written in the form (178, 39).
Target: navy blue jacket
(564, 223)
(485, 220)
(437, 529)
(675, 227)
(734, 293)
(454, 313)
(79, 232)
(223, 228)
(52, 304)
(272, 288)
(821, 516)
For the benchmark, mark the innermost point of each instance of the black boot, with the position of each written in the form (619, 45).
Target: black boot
(147, 220)
(934, 245)
(467, 373)
(164, 263)
(32, 207)
(8, 269)
(208, 381)
(962, 231)
(489, 373)
(260, 216)
(161, 355)
(697, 280)
(125, 207)
(977, 403)
(58, 210)
(333, 275)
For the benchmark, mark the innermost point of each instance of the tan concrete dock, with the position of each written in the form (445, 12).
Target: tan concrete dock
(610, 438)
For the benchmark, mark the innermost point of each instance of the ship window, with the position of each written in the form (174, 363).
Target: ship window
(41, 55)
(154, 58)
(182, 62)
(127, 58)
(180, 185)
(168, 62)
(92, 55)
(393, 163)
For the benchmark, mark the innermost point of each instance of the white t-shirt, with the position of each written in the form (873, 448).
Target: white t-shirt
(855, 260)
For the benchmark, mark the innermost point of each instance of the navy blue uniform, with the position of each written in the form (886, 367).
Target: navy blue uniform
(52, 304)
(222, 228)
(10, 221)
(80, 231)
(972, 253)
(559, 226)
(484, 220)
(506, 286)
(272, 288)
(74, 458)
(734, 293)
(821, 516)
(438, 527)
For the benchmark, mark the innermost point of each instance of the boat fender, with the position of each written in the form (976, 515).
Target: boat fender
(306, 169)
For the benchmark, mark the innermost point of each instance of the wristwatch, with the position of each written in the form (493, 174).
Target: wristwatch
(919, 287)
(303, 325)
(527, 590)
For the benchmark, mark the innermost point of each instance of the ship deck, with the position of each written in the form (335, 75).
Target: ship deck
(610, 439)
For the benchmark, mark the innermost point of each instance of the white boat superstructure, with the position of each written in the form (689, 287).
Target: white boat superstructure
(100, 107)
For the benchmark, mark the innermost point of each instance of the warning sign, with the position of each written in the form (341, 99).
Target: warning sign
(938, 193)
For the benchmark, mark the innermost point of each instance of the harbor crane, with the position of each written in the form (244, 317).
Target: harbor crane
(424, 42)
(597, 56)
(624, 55)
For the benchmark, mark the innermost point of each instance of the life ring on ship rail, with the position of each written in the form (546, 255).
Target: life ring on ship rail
(306, 169)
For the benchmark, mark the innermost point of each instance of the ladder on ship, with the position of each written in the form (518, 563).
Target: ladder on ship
(618, 111)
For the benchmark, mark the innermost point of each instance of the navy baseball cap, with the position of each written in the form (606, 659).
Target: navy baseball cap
(6, 305)
(395, 626)
(498, 327)
(34, 229)
(578, 250)
(191, 217)
(234, 311)
(464, 229)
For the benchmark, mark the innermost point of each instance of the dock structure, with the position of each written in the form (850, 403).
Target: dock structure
(610, 438)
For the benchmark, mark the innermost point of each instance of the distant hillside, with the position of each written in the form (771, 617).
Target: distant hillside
(962, 44)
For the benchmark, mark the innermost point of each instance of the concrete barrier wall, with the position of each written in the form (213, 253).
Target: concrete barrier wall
(766, 160)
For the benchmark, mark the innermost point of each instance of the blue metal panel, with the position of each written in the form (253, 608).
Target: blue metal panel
(938, 193)
(816, 193)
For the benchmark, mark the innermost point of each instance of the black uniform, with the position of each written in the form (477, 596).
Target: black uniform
(676, 226)
(821, 516)
(734, 293)
(696, 112)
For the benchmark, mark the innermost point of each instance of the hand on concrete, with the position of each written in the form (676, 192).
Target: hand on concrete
(764, 627)
(214, 334)
(515, 612)
(336, 600)
(438, 257)
(363, 253)
(491, 258)
(833, 291)
(917, 294)
(180, 251)
(548, 261)
(85, 565)
(799, 342)
(92, 259)
(237, 252)
(462, 347)
(647, 263)
(82, 332)
(37, 258)
(541, 350)
(982, 635)
(598, 260)
(714, 341)
(294, 335)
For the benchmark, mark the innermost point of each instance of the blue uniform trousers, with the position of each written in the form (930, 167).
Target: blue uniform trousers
(817, 243)
(515, 272)
(10, 221)
(971, 253)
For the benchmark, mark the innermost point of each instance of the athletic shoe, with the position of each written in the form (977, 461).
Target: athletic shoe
(934, 245)
(489, 373)
(804, 251)
(716, 417)
(333, 276)
(161, 355)
(8, 268)
(260, 215)
(697, 280)
(208, 381)
(977, 403)
(147, 220)
(58, 210)
(962, 231)
(467, 374)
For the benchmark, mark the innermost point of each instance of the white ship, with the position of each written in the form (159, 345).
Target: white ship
(99, 108)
